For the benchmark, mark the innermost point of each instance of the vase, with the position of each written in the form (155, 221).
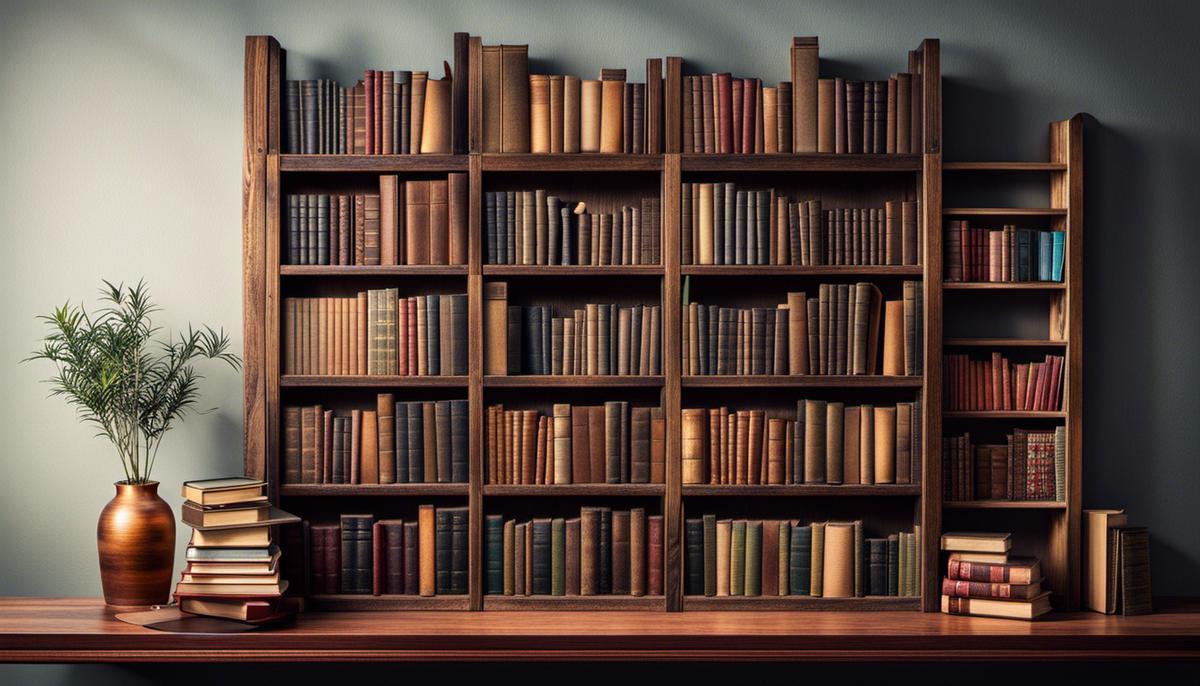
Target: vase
(136, 540)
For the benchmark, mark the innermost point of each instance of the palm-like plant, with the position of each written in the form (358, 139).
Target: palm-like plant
(130, 386)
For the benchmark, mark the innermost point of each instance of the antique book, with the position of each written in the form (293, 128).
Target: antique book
(977, 542)
(611, 120)
(1017, 570)
(427, 548)
(224, 491)
(1097, 553)
(804, 73)
(988, 607)
(985, 589)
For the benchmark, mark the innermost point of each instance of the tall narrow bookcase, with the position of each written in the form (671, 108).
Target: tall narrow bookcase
(269, 174)
(1024, 320)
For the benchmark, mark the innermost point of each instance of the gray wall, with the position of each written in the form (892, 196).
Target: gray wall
(119, 158)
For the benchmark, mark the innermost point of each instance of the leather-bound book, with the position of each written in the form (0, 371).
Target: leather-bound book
(800, 561)
(750, 95)
(558, 551)
(709, 541)
(916, 117)
(571, 538)
(389, 226)
(509, 545)
(337, 459)
(620, 552)
(612, 442)
(752, 571)
(755, 445)
(885, 445)
(903, 445)
(722, 540)
(804, 71)
(368, 470)
(693, 536)
(850, 445)
(639, 442)
(495, 326)
(493, 555)
(539, 112)
(694, 455)
(708, 113)
(406, 540)
(589, 551)
(427, 548)
(769, 566)
(328, 438)
(356, 554)
(457, 220)
(724, 99)
(604, 576)
(417, 111)
(590, 115)
(515, 105)
(327, 558)
(654, 555)
(776, 457)
(783, 556)
(417, 221)
(834, 436)
(298, 442)
(815, 417)
(443, 550)
(891, 112)
(658, 446)
(541, 557)
(352, 469)
(770, 115)
(817, 569)
(612, 95)
(571, 110)
(442, 447)
(436, 129)
(562, 458)
(903, 113)
(686, 127)
(597, 438)
(492, 98)
(893, 338)
(877, 566)
(737, 558)
(580, 443)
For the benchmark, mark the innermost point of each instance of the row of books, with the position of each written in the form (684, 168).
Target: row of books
(1031, 465)
(1008, 254)
(376, 332)
(601, 552)
(532, 227)
(983, 579)
(837, 332)
(577, 444)
(738, 557)
(727, 114)
(825, 442)
(360, 554)
(407, 222)
(598, 338)
(722, 224)
(386, 113)
(998, 384)
(233, 564)
(405, 442)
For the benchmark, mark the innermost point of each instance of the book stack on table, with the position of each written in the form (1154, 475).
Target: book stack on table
(983, 580)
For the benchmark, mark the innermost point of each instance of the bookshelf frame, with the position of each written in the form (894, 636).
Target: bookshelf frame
(265, 167)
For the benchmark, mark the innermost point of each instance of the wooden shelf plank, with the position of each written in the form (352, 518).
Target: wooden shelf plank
(1004, 212)
(802, 490)
(573, 490)
(569, 381)
(1004, 505)
(572, 270)
(1004, 166)
(1004, 286)
(800, 381)
(811, 162)
(1002, 414)
(418, 270)
(799, 602)
(1003, 343)
(373, 163)
(338, 490)
(359, 601)
(912, 271)
(528, 162)
(380, 381)
(575, 602)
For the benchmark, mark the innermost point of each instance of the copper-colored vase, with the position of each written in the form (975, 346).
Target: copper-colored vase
(136, 538)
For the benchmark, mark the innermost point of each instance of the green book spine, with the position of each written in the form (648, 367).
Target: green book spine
(558, 556)
(693, 534)
(753, 573)
(800, 560)
(493, 538)
(710, 554)
(817, 575)
(737, 559)
(785, 546)
(910, 555)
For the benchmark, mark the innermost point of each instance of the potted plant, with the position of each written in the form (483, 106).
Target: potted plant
(132, 386)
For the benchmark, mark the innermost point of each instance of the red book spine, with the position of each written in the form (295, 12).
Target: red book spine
(412, 337)
(960, 570)
(975, 589)
(379, 113)
(332, 554)
(749, 113)
(1056, 385)
(735, 117)
(378, 551)
(369, 88)
(1006, 385)
(724, 103)
(654, 560)
(997, 387)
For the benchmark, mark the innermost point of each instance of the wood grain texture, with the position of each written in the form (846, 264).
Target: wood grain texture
(409, 164)
(753, 271)
(1003, 166)
(1004, 212)
(375, 381)
(605, 162)
(583, 381)
(254, 270)
(1003, 343)
(34, 629)
(800, 381)
(475, 364)
(802, 162)
(574, 490)
(803, 490)
(671, 397)
(1002, 286)
(605, 603)
(1004, 505)
(616, 270)
(413, 271)
(375, 490)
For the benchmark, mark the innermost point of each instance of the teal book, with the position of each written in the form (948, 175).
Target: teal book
(800, 561)
(1057, 250)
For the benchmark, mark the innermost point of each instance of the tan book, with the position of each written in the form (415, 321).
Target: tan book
(225, 577)
(556, 113)
(834, 437)
(562, 444)
(589, 550)
(435, 127)
(989, 558)
(885, 445)
(637, 551)
(776, 438)
(797, 331)
(903, 443)
(539, 113)
(893, 338)
(815, 416)
(1097, 553)
(817, 566)
(206, 589)
(770, 118)
(1007, 609)
(492, 97)
(852, 432)
(754, 453)
(805, 69)
(416, 120)
(439, 226)
(589, 115)
(571, 114)
(250, 537)
(369, 461)
(724, 536)
(224, 491)
(903, 113)
(416, 221)
(977, 542)
(385, 407)
(838, 571)
(427, 550)
(695, 457)
(202, 516)
(389, 225)
(825, 116)
(459, 220)
(514, 104)
(495, 327)
(612, 96)
(705, 252)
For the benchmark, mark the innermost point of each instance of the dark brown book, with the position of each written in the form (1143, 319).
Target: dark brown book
(580, 445)
(385, 405)
(589, 551)
(292, 428)
(804, 71)
(416, 221)
(573, 543)
(658, 446)
(620, 552)
(458, 217)
(596, 436)
(770, 558)
(412, 557)
(639, 441)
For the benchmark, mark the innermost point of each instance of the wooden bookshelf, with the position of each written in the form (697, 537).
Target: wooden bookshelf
(856, 179)
(1049, 529)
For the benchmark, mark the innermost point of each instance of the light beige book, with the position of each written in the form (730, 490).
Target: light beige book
(987, 558)
(1096, 549)
(988, 607)
(224, 579)
(971, 542)
(250, 537)
(206, 589)
(224, 491)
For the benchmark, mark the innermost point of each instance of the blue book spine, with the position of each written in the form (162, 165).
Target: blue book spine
(1057, 266)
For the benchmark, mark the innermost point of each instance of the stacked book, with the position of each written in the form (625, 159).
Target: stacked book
(726, 224)
(576, 444)
(740, 557)
(999, 384)
(1031, 465)
(535, 227)
(232, 563)
(1007, 254)
(983, 580)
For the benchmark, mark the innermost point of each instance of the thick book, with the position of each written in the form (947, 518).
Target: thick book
(1097, 551)
(989, 607)
(223, 517)
(1017, 570)
(224, 491)
(977, 542)
(986, 589)
(1133, 570)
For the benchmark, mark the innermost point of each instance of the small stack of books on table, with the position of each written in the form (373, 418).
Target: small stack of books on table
(983, 580)
(232, 563)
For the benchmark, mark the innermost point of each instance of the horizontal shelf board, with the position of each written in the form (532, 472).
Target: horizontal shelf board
(380, 381)
(574, 381)
(1004, 212)
(1004, 505)
(795, 270)
(581, 162)
(574, 602)
(373, 270)
(1003, 343)
(373, 489)
(801, 490)
(1004, 286)
(572, 270)
(343, 602)
(1004, 166)
(1003, 414)
(586, 490)
(373, 163)
(822, 162)
(800, 381)
(799, 602)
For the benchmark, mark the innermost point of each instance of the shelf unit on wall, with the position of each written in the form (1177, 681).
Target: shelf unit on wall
(269, 173)
(1048, 319)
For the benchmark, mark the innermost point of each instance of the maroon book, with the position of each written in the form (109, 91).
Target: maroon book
(654, 561)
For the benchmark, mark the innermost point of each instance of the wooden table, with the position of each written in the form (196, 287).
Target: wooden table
(34, 629)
